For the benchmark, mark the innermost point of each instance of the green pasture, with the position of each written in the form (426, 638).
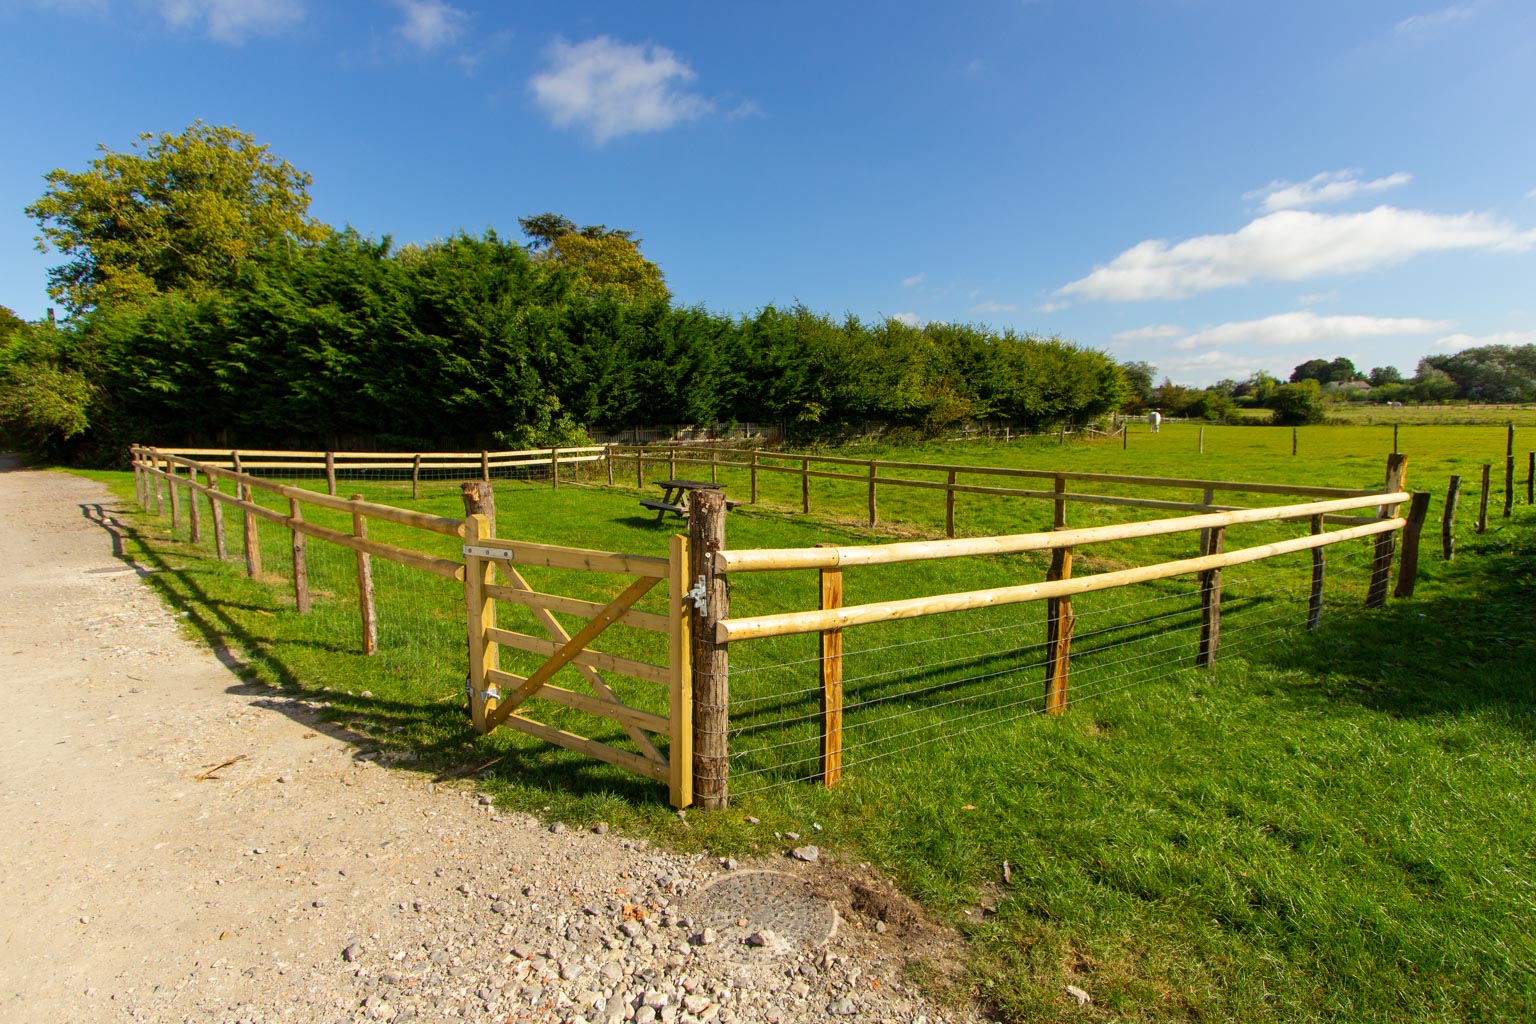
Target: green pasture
(1325, 826)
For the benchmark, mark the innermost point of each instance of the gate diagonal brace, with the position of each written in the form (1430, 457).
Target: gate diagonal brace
(591, 631)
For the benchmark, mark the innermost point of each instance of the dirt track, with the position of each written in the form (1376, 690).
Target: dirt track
(300, 882)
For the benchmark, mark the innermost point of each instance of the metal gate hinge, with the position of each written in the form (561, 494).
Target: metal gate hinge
(699, 595)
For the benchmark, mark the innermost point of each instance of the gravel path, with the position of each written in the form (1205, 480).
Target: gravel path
(302, 882)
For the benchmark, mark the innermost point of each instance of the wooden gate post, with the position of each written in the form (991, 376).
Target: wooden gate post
(1319, 571)
(1408, 565)
(1210, 601)
(1059, 621)
(365, 603)
(680, 664)
(1381, 568)
(300, 559)
(252, 541)
(831, 680)
(479, 523)
(711, 660)
(1448, 519)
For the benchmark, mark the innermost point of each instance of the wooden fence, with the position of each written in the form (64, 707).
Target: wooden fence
(873, 474)
(1058, 590)
(697, 623)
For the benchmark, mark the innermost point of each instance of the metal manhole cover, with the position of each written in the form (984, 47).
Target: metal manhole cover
(772, 900)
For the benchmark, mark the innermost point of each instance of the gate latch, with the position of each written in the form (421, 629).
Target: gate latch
(700, 597)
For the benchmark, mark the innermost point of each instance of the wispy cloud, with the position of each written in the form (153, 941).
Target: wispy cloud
(1434, 21)
(1291, 245)
(431, 24)
(1050, 307)
(1305, 327)
(910, 319)
(232, 21)
(1322, 189)
(993, 307)
(914, 280)
(1316, 298)
(1152, 332)
(611, 89)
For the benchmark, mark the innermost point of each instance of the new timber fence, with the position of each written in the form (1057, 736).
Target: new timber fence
(814, 661)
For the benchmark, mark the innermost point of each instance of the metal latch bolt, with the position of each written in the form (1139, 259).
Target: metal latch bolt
(699, 595)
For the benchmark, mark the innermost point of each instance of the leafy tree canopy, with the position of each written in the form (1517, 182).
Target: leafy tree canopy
(178, 212)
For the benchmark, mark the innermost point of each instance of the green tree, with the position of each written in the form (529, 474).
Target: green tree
(1299, 404)
(608, 262)
(1340, 370)
(1382, 375)
(1312, 369)
(179, 212)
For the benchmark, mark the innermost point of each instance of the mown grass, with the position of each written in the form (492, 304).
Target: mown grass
(1334, 826)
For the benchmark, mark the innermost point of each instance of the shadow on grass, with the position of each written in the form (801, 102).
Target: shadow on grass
(438, 733)
(1465, 642)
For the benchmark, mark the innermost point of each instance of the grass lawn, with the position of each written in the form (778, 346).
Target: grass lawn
(1325, 826)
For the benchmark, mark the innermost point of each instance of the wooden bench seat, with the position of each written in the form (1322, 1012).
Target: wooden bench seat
(664, 506)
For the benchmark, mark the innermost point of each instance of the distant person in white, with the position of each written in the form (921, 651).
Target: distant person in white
(1154, 420)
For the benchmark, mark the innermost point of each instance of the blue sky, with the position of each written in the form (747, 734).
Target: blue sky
(1213, 186)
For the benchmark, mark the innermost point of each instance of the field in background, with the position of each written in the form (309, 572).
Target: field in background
(1335, 827)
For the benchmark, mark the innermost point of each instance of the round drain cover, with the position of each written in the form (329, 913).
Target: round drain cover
(773, 900)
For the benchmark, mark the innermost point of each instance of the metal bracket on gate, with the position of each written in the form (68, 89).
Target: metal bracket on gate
(699, 595)
(480, 551)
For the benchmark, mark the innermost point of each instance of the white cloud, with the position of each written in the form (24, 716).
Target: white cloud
(1048, 307)
(1321, 189)
(1306, 327)
(612, 88)
(1420, 24)
(1291, 245)
(993, 307)
(1457, 342)
(1152, 332)
(910, 319)
(914, 280)
(743, 110)
(232, 21)
(1316, 298)
(431, 24)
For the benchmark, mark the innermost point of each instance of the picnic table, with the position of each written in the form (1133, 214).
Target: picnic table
(674, 497)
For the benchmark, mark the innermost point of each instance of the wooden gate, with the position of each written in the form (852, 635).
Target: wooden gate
(500, 698)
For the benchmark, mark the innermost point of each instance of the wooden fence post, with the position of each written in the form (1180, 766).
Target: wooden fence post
(754, 477)
(1408, 565)
(300, 561)
(479, 523)
(330, 473)
(1202, 439)
(1482, 502)
(608, 451)
(1394, 439)
(485, 465)
(1125, 436)
(554, 469)
(365, 603)
(1319, 571)
(1059, 621)
(154, 474)
(1210, 601)
(1530, 478)
(680, 662)
(416, 477)
(216, 513)
(1381, 568)
(138, 477)
(714, 464)
(194, 517)
(170, 485)
(1059, 512)
(640, 467)
(949, 506)
(711, 660)
(1448, 520)
(805, 485)
(831, 680)
(252, 540)
(872, 517)
(1509, 473)
(1293, 440)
